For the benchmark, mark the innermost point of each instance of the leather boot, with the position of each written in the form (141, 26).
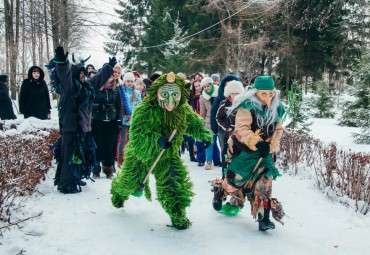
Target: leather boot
(120, 161)
(265, 223)
(208, 165)
(108, 170)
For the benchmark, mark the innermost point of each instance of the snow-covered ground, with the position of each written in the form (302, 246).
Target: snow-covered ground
(87, 223)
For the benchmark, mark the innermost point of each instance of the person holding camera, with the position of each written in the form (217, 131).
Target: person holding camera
(106, 124)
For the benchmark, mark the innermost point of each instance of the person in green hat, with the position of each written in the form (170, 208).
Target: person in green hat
(250, 167)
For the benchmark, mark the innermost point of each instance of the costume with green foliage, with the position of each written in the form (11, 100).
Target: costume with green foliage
(154, 118)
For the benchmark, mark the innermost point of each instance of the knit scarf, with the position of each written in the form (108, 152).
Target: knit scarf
(212, 90)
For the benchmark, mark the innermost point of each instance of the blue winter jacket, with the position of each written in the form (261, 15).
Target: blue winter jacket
(131, 105)
(218, 99)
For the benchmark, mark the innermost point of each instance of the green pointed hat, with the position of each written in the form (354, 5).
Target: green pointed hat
(264, 83)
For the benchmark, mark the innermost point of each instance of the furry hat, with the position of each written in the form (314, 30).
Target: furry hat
(129, 77)
(215, 77)
(206, 81)
(264, 83)
(233, 87)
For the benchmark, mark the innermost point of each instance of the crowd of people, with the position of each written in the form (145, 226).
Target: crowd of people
(241, 125)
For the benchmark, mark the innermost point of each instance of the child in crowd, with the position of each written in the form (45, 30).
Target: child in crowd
(133, 98)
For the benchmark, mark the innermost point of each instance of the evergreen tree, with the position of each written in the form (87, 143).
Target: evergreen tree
(175, 53)
(297, 112)
(356, 114)
(326, 36)
(324, 103)
(126, 33)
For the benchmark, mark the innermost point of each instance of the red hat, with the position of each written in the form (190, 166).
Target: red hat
(136, 74)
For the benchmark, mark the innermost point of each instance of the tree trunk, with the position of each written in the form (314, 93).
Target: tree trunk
(46, 31)
(65, 25)
(305, 85)
(55, 22)
(33, 32)
(24, 67)
(287, 79)
(12, 42)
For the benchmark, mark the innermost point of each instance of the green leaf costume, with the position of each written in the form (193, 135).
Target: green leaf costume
(157, 116)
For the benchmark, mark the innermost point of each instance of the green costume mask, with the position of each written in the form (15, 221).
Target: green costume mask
(169, 96)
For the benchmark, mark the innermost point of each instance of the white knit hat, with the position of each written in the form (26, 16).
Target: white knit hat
(206, 81)
(129, 77)
(233, 87)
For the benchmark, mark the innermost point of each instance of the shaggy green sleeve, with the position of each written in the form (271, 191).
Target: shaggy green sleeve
(195, 126)
(145, 130)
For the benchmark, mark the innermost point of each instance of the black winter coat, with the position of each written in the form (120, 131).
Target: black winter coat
(34, 100)
(75, 116)
(107, 105)
(6, 108)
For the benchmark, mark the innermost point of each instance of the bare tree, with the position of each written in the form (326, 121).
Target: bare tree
(11, 8)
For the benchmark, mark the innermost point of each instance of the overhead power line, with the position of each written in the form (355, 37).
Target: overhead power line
(203, 30)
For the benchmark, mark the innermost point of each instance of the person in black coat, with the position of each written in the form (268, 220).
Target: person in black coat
(34, 100)
(106, 124)
(77, 146)
(6, 108)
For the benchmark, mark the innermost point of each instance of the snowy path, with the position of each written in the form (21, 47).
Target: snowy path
(87, 223)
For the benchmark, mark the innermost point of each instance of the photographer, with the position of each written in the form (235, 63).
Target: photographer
(106, 124)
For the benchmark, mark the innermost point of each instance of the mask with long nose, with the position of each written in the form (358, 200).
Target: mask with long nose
(169, 96)
(265, 96)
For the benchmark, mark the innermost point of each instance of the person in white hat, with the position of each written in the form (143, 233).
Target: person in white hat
(226, 119)
(206, 100)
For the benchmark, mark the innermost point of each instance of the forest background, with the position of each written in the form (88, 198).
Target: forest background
(310, 46)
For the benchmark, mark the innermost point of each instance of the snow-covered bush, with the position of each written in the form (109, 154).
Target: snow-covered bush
(345, 173)
(24, 160)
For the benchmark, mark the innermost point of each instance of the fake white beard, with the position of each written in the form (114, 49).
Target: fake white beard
(271, 113)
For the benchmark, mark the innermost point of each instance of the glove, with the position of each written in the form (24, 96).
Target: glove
(60, 56)
(263, 149)
(128, 117)
(112, 62)
(253, 140)
(164, 143)
(206, 145)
